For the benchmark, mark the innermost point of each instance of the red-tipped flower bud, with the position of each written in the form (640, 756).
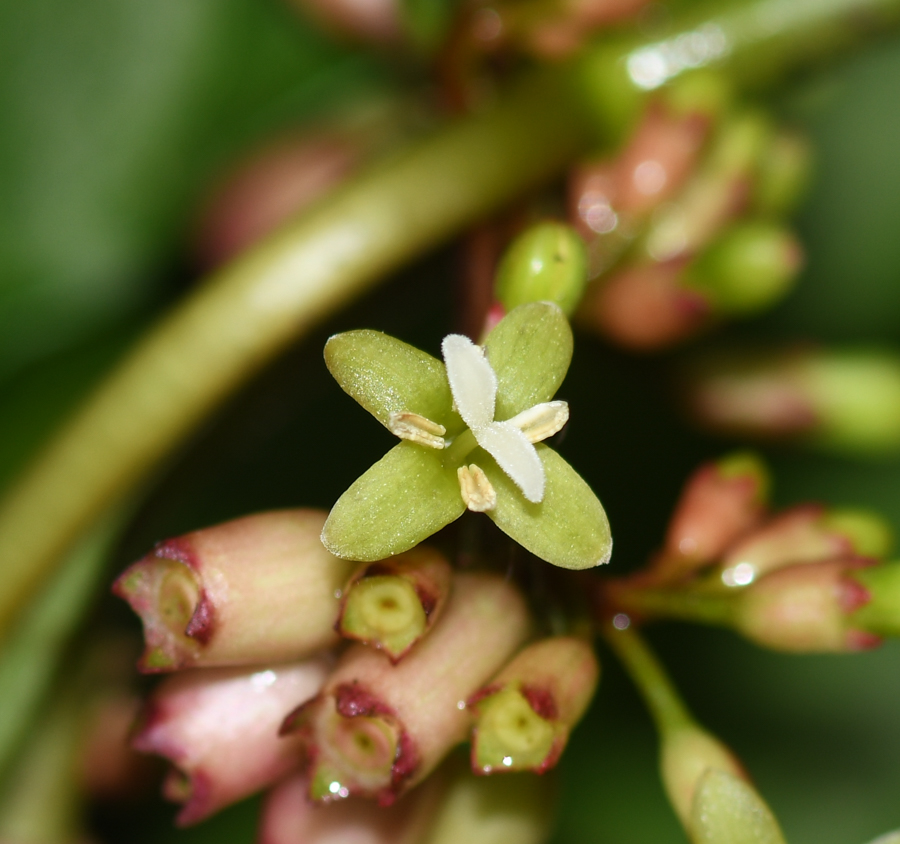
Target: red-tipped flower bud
(805, 534)
(257, 589)
(524, 716)
(392, 604)
(806, 608)
(378, 728)
(375, 21)
(720, 502)
(848, 401)
(219, 728)
(881, 614)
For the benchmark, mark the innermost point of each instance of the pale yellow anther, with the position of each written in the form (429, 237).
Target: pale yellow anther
(417, 429)
(477, 492)
(542, 420)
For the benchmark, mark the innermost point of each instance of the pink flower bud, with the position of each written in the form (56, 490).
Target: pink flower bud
(219, 728)
(378, 728)
(271, 185)
(289, 817)
(376, 21)
(720, 502)
(806, 608)
(257, 589)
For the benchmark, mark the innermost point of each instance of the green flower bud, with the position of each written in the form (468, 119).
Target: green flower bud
(546, 263)
(748, 268)
(784, 171)
(727, 810)
(881, 615)
(888, 838)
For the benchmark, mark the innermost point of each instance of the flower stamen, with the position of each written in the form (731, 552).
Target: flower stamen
(477, 491)
(417, 429)
(542, 421)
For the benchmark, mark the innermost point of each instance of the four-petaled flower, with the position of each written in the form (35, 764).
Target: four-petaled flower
(469, 428)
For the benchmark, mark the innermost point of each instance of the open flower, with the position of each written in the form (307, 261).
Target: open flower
(472, 429)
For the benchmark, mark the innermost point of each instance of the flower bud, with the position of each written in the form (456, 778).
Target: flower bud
(888, 838)
(378, 728)
(747, 269)
(727, 809)
(493, 810)
(392, 604)
(546, 263)
(271, 185)
(785, 167)
(373, 21)
(257, 589)
(847, 400)
(805, 534)
(288, 817)
(881, 615)
(524, 716)
(687, 753)
(645, 307)
(219, 728)
(716, 194)
(720, 502)
(806, 609)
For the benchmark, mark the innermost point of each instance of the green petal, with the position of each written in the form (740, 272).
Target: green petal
(726, 809)
(404, 498)
(530, 350)
(386, 376)
(568, 528)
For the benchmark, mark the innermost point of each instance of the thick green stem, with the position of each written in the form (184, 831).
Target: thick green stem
(665, 704)
(686, 604)
(247, 313)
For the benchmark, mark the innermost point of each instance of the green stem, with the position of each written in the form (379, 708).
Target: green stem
(247, 313)
(669, 711)
(686, 603)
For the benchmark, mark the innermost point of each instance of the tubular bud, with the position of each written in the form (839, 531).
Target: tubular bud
(727, 808)
(219, 729)
(848, 401)
(546, 263)
(807, 608)
(493, 810)
(257, 589)
(524, 715)
(746, 269)
(378, 728)
(288, 817)
(805, 534)
(392, 604)
(720, 502)
(687, 753)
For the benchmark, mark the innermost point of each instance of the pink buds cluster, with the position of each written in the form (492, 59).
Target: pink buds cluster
(355, 680)
(684, 225)
(805, 579)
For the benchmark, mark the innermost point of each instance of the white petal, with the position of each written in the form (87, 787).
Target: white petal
(472, 381)
(515, 455)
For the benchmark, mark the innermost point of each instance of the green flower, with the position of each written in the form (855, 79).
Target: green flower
(472, 429)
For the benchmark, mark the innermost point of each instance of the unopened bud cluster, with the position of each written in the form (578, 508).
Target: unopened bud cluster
(346, 680)
(806, 579)
(684, 225)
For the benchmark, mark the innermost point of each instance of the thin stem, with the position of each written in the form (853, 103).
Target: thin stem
(684, 603)
(669, 711)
